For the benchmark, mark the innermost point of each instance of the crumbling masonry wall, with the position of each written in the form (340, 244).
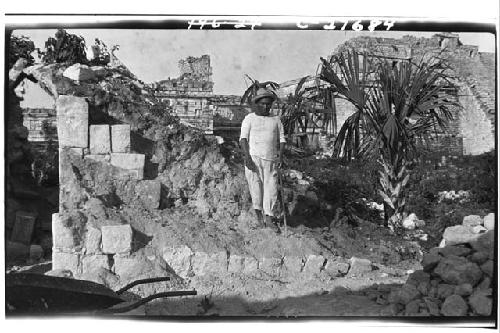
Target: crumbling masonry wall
(477, 130)
(472, 132)
(81, 242)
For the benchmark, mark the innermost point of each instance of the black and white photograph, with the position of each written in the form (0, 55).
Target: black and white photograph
(250, 167)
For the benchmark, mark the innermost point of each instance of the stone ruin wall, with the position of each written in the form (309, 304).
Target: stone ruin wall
(472, 132)
(189, 93)
(76, 244)
(198, 68)
(475, 126)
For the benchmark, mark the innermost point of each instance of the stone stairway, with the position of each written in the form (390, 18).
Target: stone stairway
(482, 84)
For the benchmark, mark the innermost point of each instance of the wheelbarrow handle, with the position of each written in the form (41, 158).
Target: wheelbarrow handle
(148, 299)
(143, 281)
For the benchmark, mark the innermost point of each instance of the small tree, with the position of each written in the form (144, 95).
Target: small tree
(65, 48)
(407, 101)
(20, 47)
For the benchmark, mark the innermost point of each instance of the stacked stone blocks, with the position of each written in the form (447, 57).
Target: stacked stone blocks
(186, 262)
(81, 247)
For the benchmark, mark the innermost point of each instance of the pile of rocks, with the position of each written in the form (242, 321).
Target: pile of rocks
(456, 279)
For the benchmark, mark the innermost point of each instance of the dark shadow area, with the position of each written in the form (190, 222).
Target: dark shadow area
(110, 200)
(98, 116)
(140, 240)
(165, 201)
(150, 169)
(140, 144)
(345, 304)
(306, 212)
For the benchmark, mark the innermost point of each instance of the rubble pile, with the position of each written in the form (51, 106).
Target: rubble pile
(456, 279)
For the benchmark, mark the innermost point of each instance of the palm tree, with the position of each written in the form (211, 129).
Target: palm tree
(408, 101)
(353, 83)
(293, 111)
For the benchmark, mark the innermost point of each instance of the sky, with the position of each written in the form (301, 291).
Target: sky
(276, 55)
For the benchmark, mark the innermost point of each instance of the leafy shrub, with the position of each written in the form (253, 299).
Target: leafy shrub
(65, 48)
(20, 47)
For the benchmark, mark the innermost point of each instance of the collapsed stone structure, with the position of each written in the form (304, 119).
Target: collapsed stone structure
(457, 277)
(192, 99)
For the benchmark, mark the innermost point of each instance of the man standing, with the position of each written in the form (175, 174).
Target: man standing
(260, 134)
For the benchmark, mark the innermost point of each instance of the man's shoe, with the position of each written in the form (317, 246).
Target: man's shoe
(269, 222)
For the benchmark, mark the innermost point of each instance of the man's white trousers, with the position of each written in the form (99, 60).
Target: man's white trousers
(263, 185)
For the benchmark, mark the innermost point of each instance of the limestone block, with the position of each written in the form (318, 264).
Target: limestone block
(199, 263)
(251, 265)
(93, 240)
(120, 138)
(24, 226)
(336, 268)
(236, 264)
(359, 266)
(293, 264)
(464, 289)
(412, 308)
(116, 238)
(100, 140)
(270, 265)
(72, 121)
(60, 273)
(484, 285)
(314, 264)
(445, 290)
(454, 305)
(149, 193)
(62, 235)
(179, 259)
(131, 164)
(217, 263)
(472, 220)
(98, 158)
(458, 270)
(130, 268)
(429, 261)
(79, 72)
(93, 262)
(459, 234)
(67, 261)
(489, 221)
(480, 303)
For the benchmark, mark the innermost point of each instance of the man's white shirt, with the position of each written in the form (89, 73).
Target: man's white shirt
(263, 133)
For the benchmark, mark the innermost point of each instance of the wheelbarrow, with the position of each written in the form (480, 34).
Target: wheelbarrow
(34, 294)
